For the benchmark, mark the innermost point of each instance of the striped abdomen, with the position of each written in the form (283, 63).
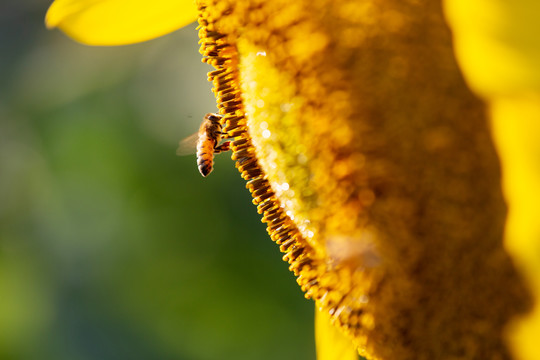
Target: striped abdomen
(205, 154)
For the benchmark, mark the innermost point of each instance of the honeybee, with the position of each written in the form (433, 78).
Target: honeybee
(207, 142)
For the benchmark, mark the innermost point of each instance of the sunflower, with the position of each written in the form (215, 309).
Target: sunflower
(370, 149)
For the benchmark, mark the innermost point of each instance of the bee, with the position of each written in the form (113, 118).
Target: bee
(207, 142)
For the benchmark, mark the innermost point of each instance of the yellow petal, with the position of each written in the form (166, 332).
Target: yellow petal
(119, 22)
(516, 129)
(497, 44)
(331, 343)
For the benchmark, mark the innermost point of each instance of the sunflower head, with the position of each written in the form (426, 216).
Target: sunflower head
(372, 164)
(345, 124)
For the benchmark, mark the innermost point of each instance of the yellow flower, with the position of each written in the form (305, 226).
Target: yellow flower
(372, 162)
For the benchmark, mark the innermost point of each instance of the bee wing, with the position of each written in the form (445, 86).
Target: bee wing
(188, 145)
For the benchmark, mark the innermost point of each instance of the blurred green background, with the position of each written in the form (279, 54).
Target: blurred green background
(111, 246)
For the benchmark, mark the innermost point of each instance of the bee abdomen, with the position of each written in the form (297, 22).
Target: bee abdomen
(205, 163)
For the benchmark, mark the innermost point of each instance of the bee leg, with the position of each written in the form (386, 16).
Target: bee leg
(226, 146)
(225, 130)
(224, 134)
